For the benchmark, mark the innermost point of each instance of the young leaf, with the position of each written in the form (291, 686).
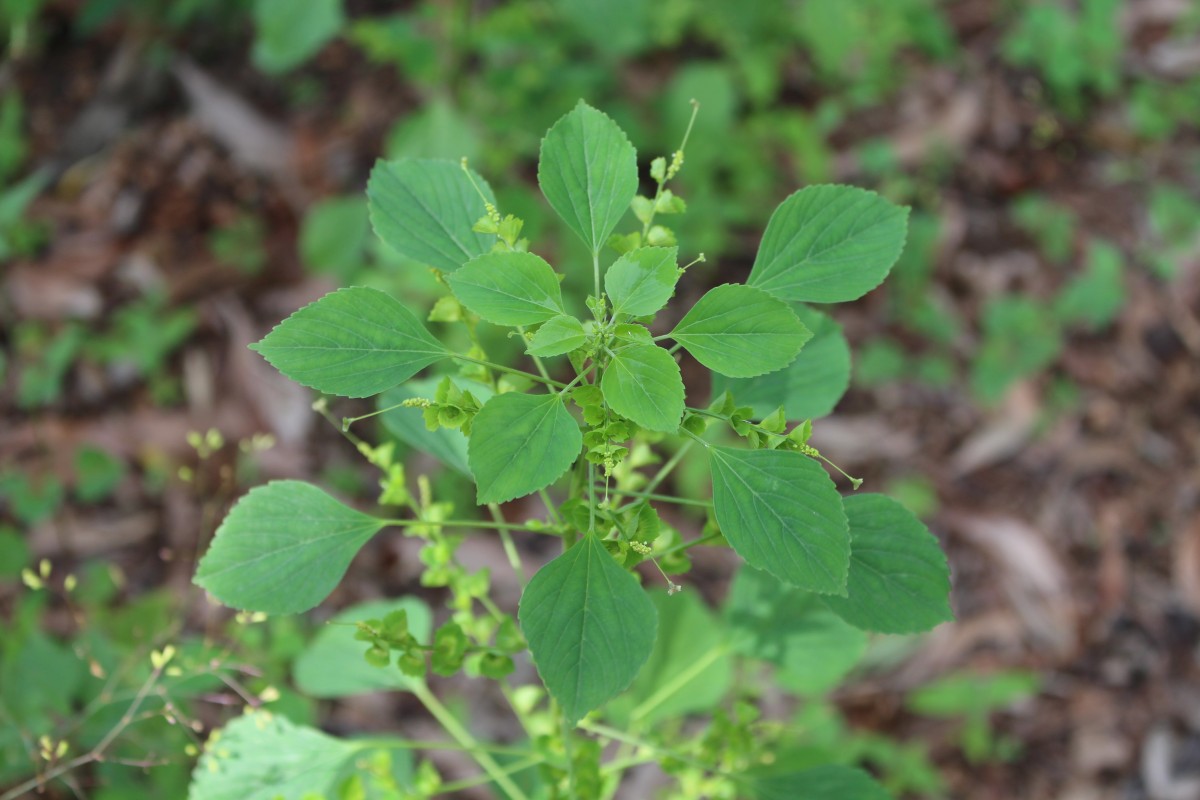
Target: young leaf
(588, 172)
(781, 512)
(829, 244)
(829, 782)
(810, 386)
(521, 443)
(740, 331)
(263, 756)
(643, 383)
(590, 627)
(354, 342)
(641, 282)
(333, 665)
(508, 288)
(283, 548)
(425, 210)
(899, 581)
(559, 335)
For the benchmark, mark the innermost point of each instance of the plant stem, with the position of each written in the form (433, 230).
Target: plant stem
(665, 498)
(510, 549)
(97, 752)
(677, 682)
(464, 737)
(551, 511)
(510, 370)
(537, 361)
(463, 523)
(479, 780)
(705, 539)
(667, 467)
(621, 736)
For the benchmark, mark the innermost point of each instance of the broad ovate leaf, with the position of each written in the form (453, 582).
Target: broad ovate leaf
(354, 342)
(810, 386)
(899, 581)
(829, 244)
(639, 283)
(283, 548)
(782, 513)
(642, 383)
(264, 756)
(425, 209)
(558, 335)
(588, 172)
(333, 665)
(508, 288)
(521, 443)
(590, 627)
(741, 332)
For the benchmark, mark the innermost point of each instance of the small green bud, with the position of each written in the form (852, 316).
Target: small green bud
(378, 656)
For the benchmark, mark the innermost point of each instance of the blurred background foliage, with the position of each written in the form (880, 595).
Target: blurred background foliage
(176, 175)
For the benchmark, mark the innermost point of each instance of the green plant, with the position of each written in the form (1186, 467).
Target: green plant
(1077, 52)
(856, 563)
(974, 698)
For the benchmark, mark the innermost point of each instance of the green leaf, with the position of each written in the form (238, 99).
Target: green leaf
(558, 335)
(740, 331)
(810, 386)
(333, 665)
(966, 693)
(521, 443)
(425, 210)
(812, 646)
(641, 282)
(508, 288)
(590, 627)
(781, 512)
(285, 39)
(354, 342)
(689, 670)
(829, 244)
(588, 172)
(333, 236)
(263, 756)
(447, 445)
(643, 383)
(899, 581)
(831, 782)
(283, 548)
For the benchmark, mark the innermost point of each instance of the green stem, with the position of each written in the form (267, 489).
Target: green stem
(479, 780)
(463, 523)
(551, 511)
(665, 498)
(537, 362)
(510, 370)
(705, 539)
(677, 682)
(510, 549)
(621, 736)
(596, 271)
(464, 737)
(672, 462)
